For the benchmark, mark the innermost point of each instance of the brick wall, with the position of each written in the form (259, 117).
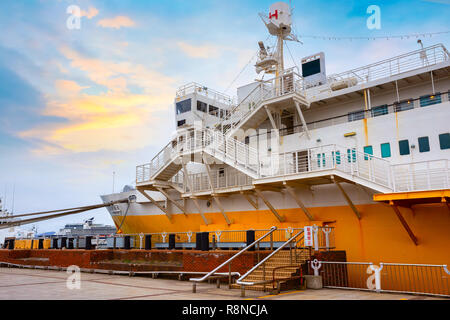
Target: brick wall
(134, 260)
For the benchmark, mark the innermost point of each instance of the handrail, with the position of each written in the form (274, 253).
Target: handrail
(286, 278)
(204, 278)
(239, 281)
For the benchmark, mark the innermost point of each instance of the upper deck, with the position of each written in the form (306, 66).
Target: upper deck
(343, 102)
(407, 65)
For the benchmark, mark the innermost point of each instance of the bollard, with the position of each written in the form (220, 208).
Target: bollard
(88, 245)
(70, 243)
(251, 239)
(205, 241)
(148, 242)
(63, 242)
(198, 241)
(171, 241)
(214, 242)
(55, 244)
(127, 241)
(41, 244)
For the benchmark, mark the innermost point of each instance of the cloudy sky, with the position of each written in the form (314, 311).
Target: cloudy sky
(78, 104)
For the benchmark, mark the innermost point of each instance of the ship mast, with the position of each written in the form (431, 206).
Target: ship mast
(279, 24)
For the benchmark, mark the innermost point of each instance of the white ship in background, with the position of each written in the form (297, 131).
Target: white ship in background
(366, 151)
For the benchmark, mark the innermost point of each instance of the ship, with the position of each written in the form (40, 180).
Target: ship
(87, 228)
(365, 151)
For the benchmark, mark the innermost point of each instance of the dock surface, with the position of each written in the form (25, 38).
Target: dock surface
(30, 284)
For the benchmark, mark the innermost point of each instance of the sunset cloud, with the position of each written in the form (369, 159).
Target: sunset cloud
(115, 120)
(90, 13)
(202, 52)
(117, 22)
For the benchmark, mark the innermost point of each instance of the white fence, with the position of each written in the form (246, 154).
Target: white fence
(425, 279)
(425, 175)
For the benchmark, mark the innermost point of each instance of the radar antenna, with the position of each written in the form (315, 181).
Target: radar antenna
(279, 24)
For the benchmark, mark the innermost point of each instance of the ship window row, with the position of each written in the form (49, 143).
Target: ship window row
(212, 110)
(405, 147)
(407, 104)
(185, 106)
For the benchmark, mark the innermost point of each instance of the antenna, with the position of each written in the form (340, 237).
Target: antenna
(4, 198)
(114, 176)
(279, 24)
(14, 191)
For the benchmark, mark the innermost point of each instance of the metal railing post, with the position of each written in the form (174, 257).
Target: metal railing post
(229, 276)
(264, 275)
(271, 242)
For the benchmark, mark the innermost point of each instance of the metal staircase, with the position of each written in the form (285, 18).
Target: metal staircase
(280, 266)
(196, 143)
(278, 269)
(251, 112)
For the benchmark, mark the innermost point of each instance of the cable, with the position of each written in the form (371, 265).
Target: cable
(292, 57)
(387, 37)
(243, 69)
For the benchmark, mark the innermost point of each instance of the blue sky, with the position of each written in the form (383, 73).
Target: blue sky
(77, 105)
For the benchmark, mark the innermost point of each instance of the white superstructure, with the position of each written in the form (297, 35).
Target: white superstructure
(299, 140)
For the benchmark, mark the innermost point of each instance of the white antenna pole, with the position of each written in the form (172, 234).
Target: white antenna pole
(114, 175)
(14, 190)
(4, 198)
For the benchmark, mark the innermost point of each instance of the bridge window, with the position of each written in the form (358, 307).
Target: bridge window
(201, 106)
(181, 122)
(424, 144)
(444, 141)
(403, 146)
(355, 116)
(183, 106)
(214, 111)
(386, 150)
(368, 150)
(380, 110)
(429, 100)
(404, 105)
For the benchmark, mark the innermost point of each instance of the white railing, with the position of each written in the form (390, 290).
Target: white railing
(425, 175)
(387, 68)
(193, 87)
(425, 279)
(224, 149)
(220, 179)
(289, 82)
(344, 159)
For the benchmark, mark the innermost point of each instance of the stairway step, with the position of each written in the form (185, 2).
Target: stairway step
(256, 287)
